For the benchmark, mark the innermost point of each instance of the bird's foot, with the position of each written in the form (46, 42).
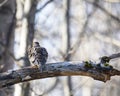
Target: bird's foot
(35, 66)
(41, 69)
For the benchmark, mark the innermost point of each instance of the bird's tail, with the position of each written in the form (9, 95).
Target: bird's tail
(42, 67)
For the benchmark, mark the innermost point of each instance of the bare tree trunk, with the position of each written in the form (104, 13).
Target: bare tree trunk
(25, 20)
(31, 20)
(22, 31)
(30, 37)
(67, 45)
(7, 25)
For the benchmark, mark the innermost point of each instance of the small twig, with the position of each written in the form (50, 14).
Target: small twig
(104, 10)
(107, 39)
(108, 58)
(113, 56)
(49, 1)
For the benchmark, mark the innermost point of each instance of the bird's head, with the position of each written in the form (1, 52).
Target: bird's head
(36, 44)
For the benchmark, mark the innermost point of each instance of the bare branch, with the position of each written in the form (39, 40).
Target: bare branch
(52, 87)
(113, 56)
(11, 54)
(68, 47)
(49, 1)
(3, 2)
(81, 35)
(107, 39)
(105, 11)
(56, 69)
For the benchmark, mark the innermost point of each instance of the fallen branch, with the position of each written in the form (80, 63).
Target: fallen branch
(56, 69)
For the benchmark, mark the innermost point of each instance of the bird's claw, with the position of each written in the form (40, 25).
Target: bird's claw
(35, 66)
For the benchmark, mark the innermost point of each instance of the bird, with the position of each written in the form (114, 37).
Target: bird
(37, 56)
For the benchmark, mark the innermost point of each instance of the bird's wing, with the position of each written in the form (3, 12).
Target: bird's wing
(44, 52)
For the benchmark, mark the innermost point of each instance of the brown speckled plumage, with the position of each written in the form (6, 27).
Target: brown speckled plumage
(37, 55)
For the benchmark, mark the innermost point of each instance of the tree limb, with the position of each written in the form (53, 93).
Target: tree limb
(113, 56)
(104, 10)
(3, 2)
(56, 69)
(40, 9)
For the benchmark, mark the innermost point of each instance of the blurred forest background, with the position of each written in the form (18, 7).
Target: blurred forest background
(74, 30)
